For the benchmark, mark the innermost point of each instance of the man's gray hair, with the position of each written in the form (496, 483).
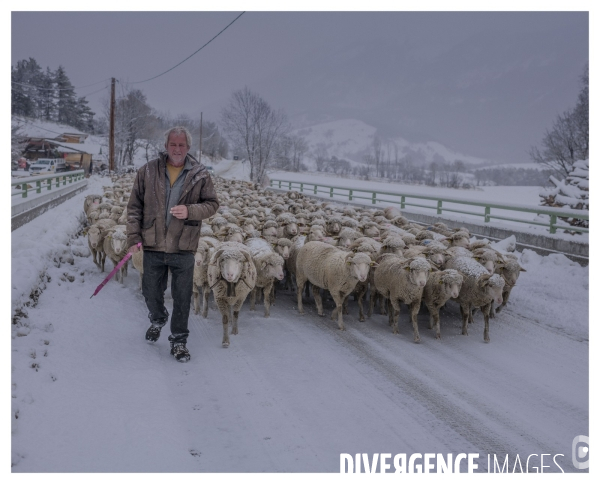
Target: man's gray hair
(179, 130)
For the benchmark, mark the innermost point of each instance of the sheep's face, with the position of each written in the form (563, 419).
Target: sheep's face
(461, 242)
(291, 229)
(316, 233)
(489, 265)
(453, 289)
(283, 251)
(510, 274)
(269, 232)
(345, 241)
(418, 276)
(437, 259)
(495, 293)
(118, 244)
(94, 237)
(334, 228)
(249, 227)
(372, 232)
(230, 269)
(273, 271)
(360, 269)
(200, 256)
(235, 237)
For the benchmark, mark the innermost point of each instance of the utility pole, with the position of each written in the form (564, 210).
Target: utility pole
(200, 146)
(111, 138)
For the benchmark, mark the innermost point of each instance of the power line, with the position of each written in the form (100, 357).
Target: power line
(177, 65)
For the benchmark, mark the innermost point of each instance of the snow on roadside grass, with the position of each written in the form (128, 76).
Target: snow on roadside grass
(42, 243)
(554, 292)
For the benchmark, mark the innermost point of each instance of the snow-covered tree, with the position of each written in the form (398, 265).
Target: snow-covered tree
(572, 192)
(66, 100)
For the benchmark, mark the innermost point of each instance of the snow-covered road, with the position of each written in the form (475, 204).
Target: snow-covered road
(292, 392)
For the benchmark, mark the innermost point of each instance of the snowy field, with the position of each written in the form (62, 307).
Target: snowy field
(292, 392)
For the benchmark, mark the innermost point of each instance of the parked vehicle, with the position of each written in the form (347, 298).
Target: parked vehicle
(48, 165)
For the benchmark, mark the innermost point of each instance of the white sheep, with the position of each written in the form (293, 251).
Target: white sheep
(479, 290)
(400, 280)
(327, 267)
(441, 286)
(231, 276)
(269, 266)
(510, 271)
(200, 280)
(115, 247)
(96, 234)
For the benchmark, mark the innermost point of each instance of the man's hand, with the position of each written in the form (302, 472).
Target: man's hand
(134, 248)
(179, 211)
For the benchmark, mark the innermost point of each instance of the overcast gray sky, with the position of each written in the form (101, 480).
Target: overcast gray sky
(370, 65)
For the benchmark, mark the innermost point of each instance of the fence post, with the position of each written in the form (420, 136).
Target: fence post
(374, 198)
(350, 195)
(331, 192)
(24, 188)
(552, 224)
(38, 184)
(315, 189)
(290, 186)
(402, 201)
(301, 187)
(439, 207)
(279, 183)
(49, 183)
(487, 214)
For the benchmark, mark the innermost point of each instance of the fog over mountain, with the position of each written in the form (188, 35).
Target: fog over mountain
(489, 95)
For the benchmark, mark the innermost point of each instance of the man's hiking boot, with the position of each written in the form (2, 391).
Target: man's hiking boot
(180, 352)
(153, 334)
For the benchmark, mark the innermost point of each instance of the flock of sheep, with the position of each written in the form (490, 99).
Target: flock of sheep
(259, 236)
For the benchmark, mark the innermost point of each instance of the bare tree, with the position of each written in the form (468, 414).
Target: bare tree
(568, 139)
(255, 127)
(132, 115)
(298, 150)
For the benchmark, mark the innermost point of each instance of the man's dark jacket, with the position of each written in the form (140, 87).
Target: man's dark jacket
(147, 207)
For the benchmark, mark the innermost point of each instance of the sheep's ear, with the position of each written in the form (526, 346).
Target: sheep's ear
(484, 280)
(216, 256)
(522, 270)
(263, 265)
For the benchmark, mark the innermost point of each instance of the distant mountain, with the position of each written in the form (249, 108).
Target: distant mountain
(352, 139)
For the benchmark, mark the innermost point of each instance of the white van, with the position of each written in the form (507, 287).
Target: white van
(48, 165)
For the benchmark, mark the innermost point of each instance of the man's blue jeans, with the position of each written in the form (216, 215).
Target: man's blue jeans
(154, 285)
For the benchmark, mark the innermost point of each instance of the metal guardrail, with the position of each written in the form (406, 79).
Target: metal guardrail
(405, 201)
(45, 182)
